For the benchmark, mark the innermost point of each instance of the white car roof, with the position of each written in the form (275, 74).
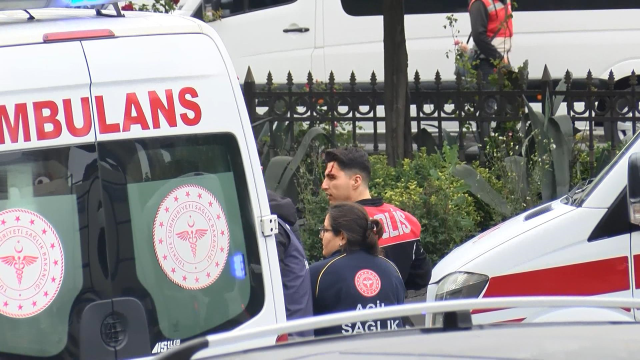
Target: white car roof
(16, 29)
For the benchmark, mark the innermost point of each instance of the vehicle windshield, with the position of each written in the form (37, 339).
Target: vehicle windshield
(581, 195)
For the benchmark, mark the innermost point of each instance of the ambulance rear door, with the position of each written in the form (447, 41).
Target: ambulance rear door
(53, 259)
(181, 207)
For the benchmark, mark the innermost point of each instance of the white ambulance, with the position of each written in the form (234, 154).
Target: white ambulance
(585, 244)
(133, 212)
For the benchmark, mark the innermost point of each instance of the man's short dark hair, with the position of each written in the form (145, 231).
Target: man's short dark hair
(351, 159)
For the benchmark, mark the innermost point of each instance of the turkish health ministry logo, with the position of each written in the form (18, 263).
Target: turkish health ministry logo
(367, 282)
(31, 263)
(191, 237)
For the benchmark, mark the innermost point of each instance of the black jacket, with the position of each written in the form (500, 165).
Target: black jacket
(355, 281)
(407, 253)
(294, 268)
(285, 210)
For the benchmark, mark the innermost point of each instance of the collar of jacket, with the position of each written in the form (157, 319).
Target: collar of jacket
(374, 202)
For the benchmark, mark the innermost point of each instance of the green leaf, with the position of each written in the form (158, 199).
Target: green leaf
(539, 121)
(424, 139)
(481, 188)
(557, 100)
(566, 125)
(561, 155)
(285, 185)
(518, 179)
(447, 138)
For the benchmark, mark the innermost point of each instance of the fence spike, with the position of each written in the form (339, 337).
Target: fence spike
(438, 78)
(352, 79)
(374, 79)
(248, 78)
(589, 78)
(458, 79)
(568, 77)
(310, 80)
(633, 80)
(611, 80)
(546, 74)
(290, 80)
(332, 81)
(416, 80)
(269, 81)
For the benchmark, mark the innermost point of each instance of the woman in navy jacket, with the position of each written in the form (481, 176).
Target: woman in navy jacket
(354, 275)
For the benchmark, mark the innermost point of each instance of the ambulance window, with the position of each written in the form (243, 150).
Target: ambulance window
(44, 256)
(185, 230)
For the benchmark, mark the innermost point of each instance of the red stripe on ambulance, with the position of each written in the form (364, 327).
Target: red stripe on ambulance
(636, 270)
(52, 118)
(583, 279)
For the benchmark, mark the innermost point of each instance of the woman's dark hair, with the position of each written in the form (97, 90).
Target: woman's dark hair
(352, 220)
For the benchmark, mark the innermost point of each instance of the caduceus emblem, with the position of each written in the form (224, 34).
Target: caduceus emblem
(192, 236)
(18, 262)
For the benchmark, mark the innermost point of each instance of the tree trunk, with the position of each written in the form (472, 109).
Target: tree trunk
(396, 85)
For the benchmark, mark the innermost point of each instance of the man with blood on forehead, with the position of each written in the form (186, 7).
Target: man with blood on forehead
(347, 178)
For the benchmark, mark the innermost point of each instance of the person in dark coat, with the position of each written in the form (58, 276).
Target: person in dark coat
(353, 275)
(294, 268)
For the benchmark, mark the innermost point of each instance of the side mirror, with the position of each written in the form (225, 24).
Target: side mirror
(633, 188)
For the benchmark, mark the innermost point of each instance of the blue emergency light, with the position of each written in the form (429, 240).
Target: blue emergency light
(43, 4)
(237, 266)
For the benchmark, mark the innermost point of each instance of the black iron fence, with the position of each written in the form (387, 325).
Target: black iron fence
(436, 103)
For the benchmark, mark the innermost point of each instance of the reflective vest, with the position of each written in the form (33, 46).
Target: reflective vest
(499, 18)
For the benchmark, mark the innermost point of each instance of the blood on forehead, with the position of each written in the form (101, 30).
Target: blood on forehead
(330, 168)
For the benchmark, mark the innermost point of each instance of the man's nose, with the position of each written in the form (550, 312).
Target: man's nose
(325, 185)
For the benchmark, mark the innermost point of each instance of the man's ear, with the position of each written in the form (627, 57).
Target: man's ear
(356, 181)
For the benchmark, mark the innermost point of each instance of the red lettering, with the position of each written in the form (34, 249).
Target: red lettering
(157, 107)
(20, 118)
(132, 103)
(86, 118)
(189, 105)
(103, 126)
(42, 120)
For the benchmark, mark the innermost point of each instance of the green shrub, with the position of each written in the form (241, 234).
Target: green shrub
(422, 186)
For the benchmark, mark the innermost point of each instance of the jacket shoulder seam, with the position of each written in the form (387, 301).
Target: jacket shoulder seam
(322, 272)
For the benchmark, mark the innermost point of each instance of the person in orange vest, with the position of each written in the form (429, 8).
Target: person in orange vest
(492, 30)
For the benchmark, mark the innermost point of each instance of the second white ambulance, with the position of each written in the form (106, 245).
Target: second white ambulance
(585, 244)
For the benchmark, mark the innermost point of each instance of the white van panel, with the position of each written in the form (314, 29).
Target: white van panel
(257, 39)
(41, 102)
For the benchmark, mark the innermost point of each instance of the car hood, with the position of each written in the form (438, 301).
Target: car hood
(496, 236)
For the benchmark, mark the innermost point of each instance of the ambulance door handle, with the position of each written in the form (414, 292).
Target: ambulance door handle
(295, 28)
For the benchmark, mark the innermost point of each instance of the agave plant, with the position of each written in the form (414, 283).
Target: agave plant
(280, 170)
(548, 144)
